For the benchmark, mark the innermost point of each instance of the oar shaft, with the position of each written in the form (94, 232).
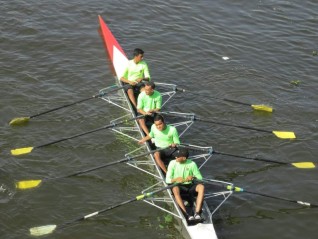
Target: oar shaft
(63, 106)
(127, 159)
(283, 199)
(238, 189)
(27, 184)
(77, 102)
(137, 198)
(224, 99)
(77, 135)
(217, 98)
(252, 158)
(97, 212)
(89, 132)
(279, 134)
(48, 229)
(233, 101)
(98, 167)
(232, 125)
(213, 122)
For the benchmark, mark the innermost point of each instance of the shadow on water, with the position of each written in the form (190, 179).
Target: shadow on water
(230, 176)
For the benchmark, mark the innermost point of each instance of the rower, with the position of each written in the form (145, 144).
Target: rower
(166, 138)
(183, 171)
(135, 72)
(148, 103)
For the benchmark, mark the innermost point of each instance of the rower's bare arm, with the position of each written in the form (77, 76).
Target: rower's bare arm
(143, 140)
(123, 79)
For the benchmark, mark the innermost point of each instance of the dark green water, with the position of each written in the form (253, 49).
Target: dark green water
(51, 54)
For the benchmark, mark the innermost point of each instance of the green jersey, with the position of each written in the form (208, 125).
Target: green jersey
(185, 169)
(135, 71)
(149, 102)
(166, 137)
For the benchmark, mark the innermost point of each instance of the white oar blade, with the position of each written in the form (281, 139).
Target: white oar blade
(42, 230)
(285, 135)
(262, 108)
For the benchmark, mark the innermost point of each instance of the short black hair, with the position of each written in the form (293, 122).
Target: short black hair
(150, 83)
(138, 51)
(159, 117)
(182, 153)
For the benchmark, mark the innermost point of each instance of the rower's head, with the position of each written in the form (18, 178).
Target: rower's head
(159, 122)
(149, 87)
(182, 155)
(138, 55)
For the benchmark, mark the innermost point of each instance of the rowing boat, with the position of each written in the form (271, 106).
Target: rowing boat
(199, 154)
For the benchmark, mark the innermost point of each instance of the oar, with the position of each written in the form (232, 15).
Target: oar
(261, 107)
(28, 184)
(27, 150)
(238, 189)
(48, 229)
(23, 120)
(302, 165)
(279, 134)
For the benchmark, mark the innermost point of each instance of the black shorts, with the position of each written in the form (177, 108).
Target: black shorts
(136, 88)
(149, 118)
(188, 189)
(167, 155)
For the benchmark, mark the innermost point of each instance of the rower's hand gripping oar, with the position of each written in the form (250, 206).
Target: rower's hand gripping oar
(301, 165)
(48, 229)
(28, 184)
(23, 120)
(279, 134)
(238, 189)
(27, 150)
